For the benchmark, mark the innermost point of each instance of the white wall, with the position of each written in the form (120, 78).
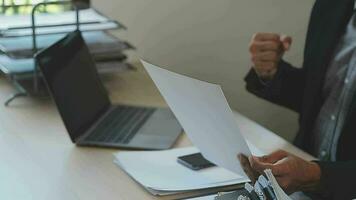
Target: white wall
(208, 39)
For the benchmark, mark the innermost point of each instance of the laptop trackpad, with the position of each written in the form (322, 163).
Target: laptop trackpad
(160, 130)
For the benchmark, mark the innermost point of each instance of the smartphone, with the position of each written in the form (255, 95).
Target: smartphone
(195, 161)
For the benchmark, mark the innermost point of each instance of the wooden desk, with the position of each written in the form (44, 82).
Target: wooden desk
(39, 162)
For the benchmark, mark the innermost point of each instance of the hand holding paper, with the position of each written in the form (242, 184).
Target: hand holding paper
(205, 115)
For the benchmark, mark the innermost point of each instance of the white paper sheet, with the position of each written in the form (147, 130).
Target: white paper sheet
(204, 114)
(160, 172)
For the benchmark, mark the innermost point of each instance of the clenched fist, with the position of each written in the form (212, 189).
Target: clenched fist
(266, 51)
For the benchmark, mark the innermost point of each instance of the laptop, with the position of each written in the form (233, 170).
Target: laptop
(85, 108)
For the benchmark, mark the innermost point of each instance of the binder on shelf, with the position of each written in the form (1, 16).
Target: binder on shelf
(49, 23)
(113, 67)
(10, 66)
(23, 68)
(22, 36)
(99, 42)
(110, 56)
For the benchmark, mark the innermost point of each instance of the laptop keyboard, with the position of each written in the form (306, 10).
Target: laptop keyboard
(121, 125)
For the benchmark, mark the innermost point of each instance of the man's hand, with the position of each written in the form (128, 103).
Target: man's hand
(266, 51)
(292, 173)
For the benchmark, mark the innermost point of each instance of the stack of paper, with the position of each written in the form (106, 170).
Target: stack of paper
(206, 117)
(26, 66)
(99, 43)
(161, 174)
(18, 47)
(106, 50)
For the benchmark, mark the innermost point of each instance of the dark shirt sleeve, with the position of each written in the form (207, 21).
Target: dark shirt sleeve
(337, 180)
(285, 89)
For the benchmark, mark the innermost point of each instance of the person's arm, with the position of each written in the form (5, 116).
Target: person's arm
(271, 77)
(285, 89)
(321, 180)
(338, 179)
(292, 172)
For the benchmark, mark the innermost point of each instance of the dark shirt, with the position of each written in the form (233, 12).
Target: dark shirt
(337, 93)
(301, 89)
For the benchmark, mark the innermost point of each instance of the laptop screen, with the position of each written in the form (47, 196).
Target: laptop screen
(71, 76)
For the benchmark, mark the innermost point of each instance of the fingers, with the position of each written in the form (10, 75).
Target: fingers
(266, 51)
(254, 166)
(286, 41)
(265, 67)
(260, 46)
(265, 42)
(265, 56)
(274, 157)
(252, 174)
(278, 169)
(258, 165)
(266, 37)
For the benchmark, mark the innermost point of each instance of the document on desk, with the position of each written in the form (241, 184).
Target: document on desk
(204, 114)
(161, 174)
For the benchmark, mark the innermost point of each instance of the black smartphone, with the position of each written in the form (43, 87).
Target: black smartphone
(195, 161)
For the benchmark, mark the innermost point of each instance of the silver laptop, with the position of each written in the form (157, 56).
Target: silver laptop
(88, 115)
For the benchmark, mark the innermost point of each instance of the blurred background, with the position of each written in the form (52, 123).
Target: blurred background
(208, 40)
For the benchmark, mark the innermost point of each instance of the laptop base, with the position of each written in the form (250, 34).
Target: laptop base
(159, 131)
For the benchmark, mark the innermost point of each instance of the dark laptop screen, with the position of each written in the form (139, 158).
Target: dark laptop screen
(73, 81)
